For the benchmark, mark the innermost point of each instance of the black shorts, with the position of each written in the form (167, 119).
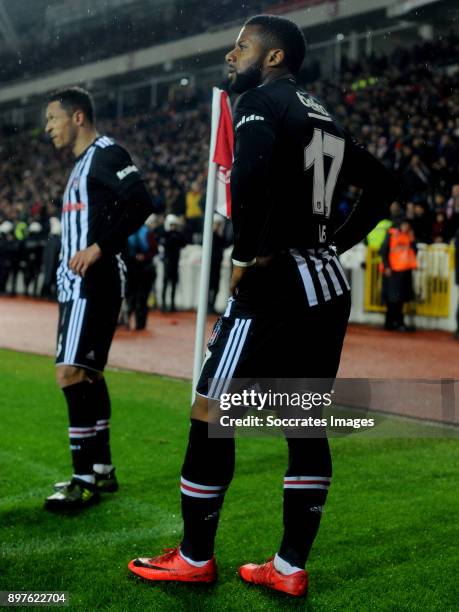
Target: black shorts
(85, 331)
(286, 341)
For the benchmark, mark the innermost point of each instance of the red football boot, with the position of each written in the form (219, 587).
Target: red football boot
(267, 575)
(172, 566)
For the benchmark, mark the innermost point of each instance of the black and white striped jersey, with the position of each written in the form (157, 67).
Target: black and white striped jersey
(95, 197)
(291, 160)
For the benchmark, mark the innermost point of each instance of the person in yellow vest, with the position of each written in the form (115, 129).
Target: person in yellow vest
(193, 211)
(398, 253)
(376, 237)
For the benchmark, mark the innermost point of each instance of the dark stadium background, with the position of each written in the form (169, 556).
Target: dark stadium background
(389, 70)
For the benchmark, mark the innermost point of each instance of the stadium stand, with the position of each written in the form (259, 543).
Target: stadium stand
(115, 36)
(403, 107)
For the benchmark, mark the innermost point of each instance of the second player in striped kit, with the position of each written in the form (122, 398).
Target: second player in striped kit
(105, 200)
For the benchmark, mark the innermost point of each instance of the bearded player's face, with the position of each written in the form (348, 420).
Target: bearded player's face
(245, 61)
(60, 125)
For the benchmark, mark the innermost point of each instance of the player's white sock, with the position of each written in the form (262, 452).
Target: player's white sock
(284, 567)
(191, 562)
(86, 477)
(102, 468)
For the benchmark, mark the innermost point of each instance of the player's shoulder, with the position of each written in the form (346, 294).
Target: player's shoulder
(268, 94)
(108, 148)
(109, 152)
(104, 142)
(257, 104)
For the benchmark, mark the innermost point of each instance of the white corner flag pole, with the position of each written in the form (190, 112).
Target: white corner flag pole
(206, 248)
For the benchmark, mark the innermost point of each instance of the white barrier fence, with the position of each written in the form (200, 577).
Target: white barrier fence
(353, 260)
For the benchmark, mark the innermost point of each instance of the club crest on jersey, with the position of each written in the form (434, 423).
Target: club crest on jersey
(215, 332)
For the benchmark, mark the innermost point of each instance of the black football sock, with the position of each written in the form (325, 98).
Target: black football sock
(206, 474)
(102, 410)
(82, 425)
(305, 492)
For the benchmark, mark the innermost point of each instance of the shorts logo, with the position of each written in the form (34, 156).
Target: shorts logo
(128, 170)
(59, 346)
(215, 333)
(90, 355)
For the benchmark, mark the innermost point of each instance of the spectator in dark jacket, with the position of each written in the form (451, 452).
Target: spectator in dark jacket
(142, 248)
(172, 242)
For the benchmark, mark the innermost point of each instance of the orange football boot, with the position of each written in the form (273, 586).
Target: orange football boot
(172, 566)
(267, 575)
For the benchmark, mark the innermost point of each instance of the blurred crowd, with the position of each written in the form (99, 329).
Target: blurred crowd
(404, 108)
(84, 43)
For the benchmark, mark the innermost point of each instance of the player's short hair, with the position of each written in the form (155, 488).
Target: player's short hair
(283, 33)
(73, 99)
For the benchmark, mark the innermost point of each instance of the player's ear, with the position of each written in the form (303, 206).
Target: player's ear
(276, 57)
(78, 117)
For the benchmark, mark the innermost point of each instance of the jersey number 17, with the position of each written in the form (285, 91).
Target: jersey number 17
(322, 144)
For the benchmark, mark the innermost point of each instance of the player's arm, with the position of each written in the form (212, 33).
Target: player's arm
(133, 204)
(379, 190)
(254, 126)
(136, 206)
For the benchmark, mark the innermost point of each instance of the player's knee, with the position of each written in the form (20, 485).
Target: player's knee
(67, 375)
(200, 409)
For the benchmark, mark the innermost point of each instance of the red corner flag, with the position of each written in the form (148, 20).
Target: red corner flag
(222, 135)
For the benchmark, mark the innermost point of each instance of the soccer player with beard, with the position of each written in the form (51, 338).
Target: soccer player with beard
(290, 301)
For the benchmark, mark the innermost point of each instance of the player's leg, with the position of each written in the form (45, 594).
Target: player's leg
(306, 484)
(207, 472)
(207, 469)
(101, 329)
(84, 335)
(308, 476)
(79, 387)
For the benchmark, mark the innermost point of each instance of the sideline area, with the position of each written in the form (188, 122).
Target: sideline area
(166, 346)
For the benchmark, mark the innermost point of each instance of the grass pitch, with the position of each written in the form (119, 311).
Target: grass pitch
(386, 541)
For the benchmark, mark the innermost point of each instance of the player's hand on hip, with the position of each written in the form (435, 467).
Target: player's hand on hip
(82, 260)
(236, 276)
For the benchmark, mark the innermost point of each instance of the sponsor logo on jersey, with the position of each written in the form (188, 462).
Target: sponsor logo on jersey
(122, 174)
(312, 104)
(73, 206)
(247, 118)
